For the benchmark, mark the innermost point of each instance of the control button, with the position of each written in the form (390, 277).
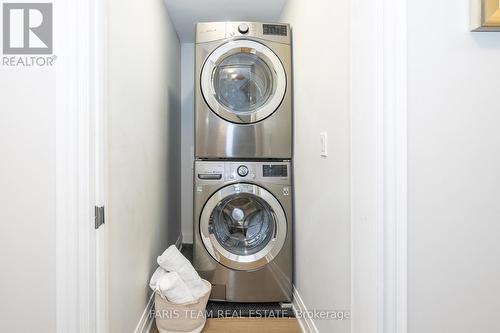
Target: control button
(242, 171)
(243, 28)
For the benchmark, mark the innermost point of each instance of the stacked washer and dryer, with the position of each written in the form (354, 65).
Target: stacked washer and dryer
(243, 190)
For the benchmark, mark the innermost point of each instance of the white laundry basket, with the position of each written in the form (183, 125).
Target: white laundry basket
(181, 318)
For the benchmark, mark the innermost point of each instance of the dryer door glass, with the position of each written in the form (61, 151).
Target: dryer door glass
(243, 81)
(243, 224)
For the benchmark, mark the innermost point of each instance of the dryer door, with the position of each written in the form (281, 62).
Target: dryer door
(243, 226)
(243, 81)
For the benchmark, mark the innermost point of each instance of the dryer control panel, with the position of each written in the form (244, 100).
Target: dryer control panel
(210, 31)
(267, 172)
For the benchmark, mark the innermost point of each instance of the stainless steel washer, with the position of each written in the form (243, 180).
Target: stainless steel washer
(243, 95)
(243, 229)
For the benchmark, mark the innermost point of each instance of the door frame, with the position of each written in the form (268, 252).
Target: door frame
(81, 180)
(379, 166)
(378, 162)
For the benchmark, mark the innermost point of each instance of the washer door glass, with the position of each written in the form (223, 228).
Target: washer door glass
(243, 81)
(243, 224)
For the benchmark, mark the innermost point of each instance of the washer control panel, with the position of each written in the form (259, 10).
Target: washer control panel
(268, 172)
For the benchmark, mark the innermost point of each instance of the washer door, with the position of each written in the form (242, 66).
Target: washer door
(243, 226)
(243, 81)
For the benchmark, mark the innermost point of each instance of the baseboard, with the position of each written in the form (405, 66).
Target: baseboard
(147, 320)
(306, 324)
(188, 238)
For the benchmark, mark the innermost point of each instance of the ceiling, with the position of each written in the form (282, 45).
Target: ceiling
(185, 13)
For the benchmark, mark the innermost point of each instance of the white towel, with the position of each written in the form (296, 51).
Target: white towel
(153, 283)
(174, 289)
(173, 261)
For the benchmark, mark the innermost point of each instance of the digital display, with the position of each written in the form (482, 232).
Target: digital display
(275, 170)
(275, 29)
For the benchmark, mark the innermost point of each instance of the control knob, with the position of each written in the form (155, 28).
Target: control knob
(242, 171)
(243, 28)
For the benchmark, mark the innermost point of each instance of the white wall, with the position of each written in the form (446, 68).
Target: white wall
(27, 200)
(185, 13)
(454, 163)
(187, 127)
(144, 151)
(321, 95)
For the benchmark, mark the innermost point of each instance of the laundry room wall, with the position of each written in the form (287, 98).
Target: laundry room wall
(454, 163)
(187, 126)
(321, 55)
(144, 151)
(27, 199)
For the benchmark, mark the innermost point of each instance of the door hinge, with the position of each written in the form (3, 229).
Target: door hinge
(99, 216)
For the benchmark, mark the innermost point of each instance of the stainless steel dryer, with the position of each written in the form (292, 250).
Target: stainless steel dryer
(243, 95)
(243, 230)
